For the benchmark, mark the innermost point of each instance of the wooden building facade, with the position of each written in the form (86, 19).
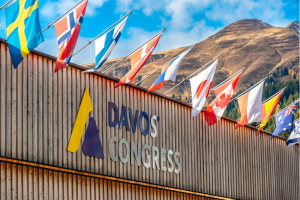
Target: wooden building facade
(37, 113)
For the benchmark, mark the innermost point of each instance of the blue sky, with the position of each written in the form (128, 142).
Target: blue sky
(187, 21)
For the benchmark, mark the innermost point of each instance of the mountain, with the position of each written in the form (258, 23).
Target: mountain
(251, 43)
(294, 26)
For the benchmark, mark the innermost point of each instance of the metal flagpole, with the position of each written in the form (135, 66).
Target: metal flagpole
(296, 120)
(135, 50)
(273, 96)
(166, 63)
(247, 90)
(4, 6)
(192, 74)
(101, 33)
(61, 16)
(231, 77)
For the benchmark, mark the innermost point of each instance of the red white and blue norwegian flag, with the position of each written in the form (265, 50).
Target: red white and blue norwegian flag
(67, 30)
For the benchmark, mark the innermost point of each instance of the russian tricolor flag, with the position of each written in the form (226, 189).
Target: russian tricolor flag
(169, 71)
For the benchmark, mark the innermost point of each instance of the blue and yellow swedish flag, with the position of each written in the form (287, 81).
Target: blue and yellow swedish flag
(23, 29)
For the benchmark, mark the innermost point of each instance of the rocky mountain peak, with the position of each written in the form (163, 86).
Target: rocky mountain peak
(294, 26)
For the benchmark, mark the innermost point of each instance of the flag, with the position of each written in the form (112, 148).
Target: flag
(168, 72)
(200, 86)
(23, 29)
(138, 59)
(215, 110)
(67, 30)
(284, 120)
(295, 135)
(250, 106)
(267, 110)
(106, 43)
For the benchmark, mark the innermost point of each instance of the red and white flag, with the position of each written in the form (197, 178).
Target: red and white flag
(215, 110)
(200, 86)
(250, 105)
(67, 31)
(138, 59)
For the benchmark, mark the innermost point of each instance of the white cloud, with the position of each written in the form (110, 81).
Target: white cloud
(52, 9)
(229, 11)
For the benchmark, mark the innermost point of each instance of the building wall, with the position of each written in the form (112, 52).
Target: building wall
(38, 110)
(20, 181)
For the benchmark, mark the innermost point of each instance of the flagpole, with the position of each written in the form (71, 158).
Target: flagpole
(273, 96)
(192, 74)
(101, 33)
(48, 26)
(296, 120)
(134, 50)
(231, 77)
(248, 90)
(4, 6)
(167, 63)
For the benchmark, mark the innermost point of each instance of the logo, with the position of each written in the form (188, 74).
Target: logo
(159, 158)
(92, 145)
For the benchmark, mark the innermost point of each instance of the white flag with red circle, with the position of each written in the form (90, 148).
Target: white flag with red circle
(200, 86)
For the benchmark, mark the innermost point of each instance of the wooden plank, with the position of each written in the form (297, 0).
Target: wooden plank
(20, 182)
(105, 127)
(74, 187)
(55, 116)
(40, 173)
(75, 106)
(50, 116)
(30, 109)
(113, 94)
(64, 118)
(88, 188)
(45, 183)
(79, 186)
(120, 100)
(20, 111)
(3, 178)
(14, 189)
(109, 129)
(45, 84)
(35, 183)
(70, 188)
(69, 116)
(28, 187)
(96, 116)
(2, 99)
(40, 122)
(83, 188)
(134, 138)
(91, 160)
(79, 95)
(101, 192)
(101, 123)
(13, 114)
(56, 186)
(8, 104)
(34, 108)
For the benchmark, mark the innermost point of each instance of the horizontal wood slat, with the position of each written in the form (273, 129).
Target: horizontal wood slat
(37, 113)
